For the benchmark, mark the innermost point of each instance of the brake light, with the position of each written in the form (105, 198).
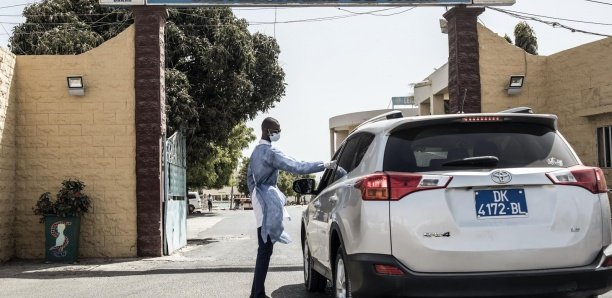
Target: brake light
(482, 119)
(394, 186)
(589, 178)
(607, 262)
(388, 270)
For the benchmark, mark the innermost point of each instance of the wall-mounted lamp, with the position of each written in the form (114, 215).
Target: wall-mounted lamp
(515, 86)
(76, 86)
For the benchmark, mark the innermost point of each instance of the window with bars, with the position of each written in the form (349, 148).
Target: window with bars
(604, 146)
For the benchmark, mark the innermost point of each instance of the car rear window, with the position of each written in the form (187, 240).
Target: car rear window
(428, 148)
(191, 196)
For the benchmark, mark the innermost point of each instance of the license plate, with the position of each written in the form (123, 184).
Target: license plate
(500, 203)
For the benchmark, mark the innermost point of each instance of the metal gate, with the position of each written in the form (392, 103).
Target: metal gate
(175, 193)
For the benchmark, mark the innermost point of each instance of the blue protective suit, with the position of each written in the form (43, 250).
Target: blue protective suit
(262, 175)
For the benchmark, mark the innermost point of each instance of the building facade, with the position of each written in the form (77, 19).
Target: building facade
(340, 126)
(575, 85)
(49, 135)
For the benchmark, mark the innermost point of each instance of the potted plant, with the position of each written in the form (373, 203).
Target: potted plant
(62, 218)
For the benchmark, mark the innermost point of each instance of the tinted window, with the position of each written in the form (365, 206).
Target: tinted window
(515, 144)
(326, 178)
(364, 143)
(191, 196)
(347, 157)
(355, 149)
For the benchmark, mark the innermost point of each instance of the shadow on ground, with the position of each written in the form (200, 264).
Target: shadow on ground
(299, 291)
(46, 271)
(199, 213)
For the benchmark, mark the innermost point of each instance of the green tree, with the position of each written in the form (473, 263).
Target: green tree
(507, 38)
(243, 188)
(218, 74)
(222, 159)
(285, 183)
(524, 38)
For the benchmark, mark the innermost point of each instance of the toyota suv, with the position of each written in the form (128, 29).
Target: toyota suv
(464, 205)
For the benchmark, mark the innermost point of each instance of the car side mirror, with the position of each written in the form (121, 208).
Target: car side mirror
(304, 186)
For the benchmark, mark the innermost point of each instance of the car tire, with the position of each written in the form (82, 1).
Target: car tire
(191, 208)
(342, 283)
(313, 280)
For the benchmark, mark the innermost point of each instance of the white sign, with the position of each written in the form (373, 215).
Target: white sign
(122, 2)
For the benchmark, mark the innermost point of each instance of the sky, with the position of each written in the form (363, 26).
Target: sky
(358, 63)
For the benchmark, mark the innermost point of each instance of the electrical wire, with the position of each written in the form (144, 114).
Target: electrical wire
(553, 24)
(65, 23)
(16, 5)
(600, 2)
(121, 23)
(379, 15)
(319, 19)
(552, 18)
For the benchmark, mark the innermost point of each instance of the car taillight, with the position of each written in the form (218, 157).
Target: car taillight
(590, 178)
(607, 262)
(388, 270)
(394, 186)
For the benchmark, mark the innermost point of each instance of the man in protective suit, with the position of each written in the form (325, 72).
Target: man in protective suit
(268, 201)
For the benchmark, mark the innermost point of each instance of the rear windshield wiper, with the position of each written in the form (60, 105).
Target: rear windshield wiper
(473, 161)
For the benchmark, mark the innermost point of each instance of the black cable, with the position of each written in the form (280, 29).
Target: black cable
(379, 15)
(600, 2)
(553, 24)
(16, 5)
(553, 18)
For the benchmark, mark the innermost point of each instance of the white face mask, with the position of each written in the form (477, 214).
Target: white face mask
(275, 137)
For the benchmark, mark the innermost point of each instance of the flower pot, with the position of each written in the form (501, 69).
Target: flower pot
(62, 239)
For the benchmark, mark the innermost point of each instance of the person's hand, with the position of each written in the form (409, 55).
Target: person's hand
(330, 164)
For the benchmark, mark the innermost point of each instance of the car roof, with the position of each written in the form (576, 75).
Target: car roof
(391, 125)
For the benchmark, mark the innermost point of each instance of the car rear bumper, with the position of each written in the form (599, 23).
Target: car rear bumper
(580, 281)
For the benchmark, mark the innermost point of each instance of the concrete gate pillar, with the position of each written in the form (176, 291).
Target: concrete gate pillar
(150, 126)
(463, 59)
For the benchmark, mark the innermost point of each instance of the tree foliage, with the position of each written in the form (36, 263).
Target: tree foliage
(507, 38)
(243, 187)
(525, 38)
(218, 74)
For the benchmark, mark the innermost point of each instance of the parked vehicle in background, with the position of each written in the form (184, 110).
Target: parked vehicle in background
(246, 203)
(466, 205)
(195, 202)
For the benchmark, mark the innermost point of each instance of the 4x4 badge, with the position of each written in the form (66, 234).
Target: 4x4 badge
(501, 176)
(437, 235)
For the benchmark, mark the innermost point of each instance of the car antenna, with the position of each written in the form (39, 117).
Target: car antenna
(463, 101)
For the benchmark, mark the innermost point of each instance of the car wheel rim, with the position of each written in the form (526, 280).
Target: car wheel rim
(340, 279)
(306, 263)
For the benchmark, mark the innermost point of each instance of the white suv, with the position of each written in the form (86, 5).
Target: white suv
(458, 205)
(195, 202)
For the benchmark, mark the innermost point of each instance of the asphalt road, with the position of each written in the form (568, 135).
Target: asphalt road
(217, 262)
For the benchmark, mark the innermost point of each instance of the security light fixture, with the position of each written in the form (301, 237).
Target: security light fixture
(75, 85)
(515, 86)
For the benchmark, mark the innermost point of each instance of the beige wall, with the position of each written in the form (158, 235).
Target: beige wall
(576, 85)
(7, 154)
(498, 61)
(88, 137)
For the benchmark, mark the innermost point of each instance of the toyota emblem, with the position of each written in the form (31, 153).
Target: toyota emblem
(501, 176)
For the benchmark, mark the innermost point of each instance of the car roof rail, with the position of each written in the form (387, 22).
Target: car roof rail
(518, 110)
(381, 117)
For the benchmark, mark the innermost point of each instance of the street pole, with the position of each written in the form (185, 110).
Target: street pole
(231, 196)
